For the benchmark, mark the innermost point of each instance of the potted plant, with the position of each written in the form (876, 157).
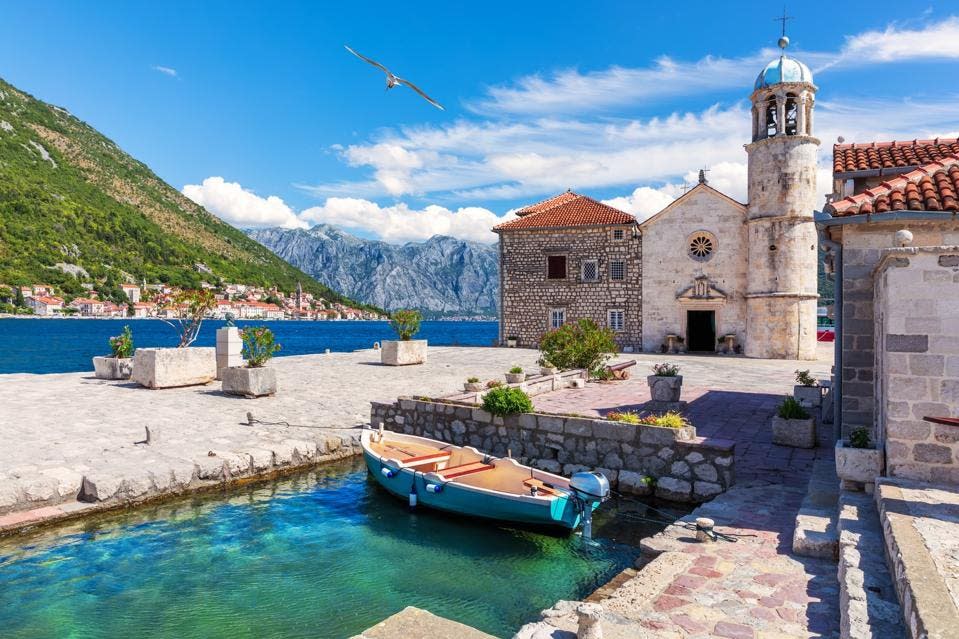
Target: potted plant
(793, 426)
(254, 379)
(511, 341)
(807, 391)
(119, 364)
(184, 365)
(546, 367)
(856, 459)
(515, 375)
(665, 384)
(473, 385)
(405, 350)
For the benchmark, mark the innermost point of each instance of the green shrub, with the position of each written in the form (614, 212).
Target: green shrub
(669, 419)
(803, 378)
(545, 363)
(791, 409)
(582, 344)
(505, 400)
(472, 380)
(516, 370)
(666, 370)
(122, 344)
(626, 417)
(258, 345)
(406, 323)
(859, 438)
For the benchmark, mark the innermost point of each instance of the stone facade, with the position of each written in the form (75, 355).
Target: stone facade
(863, 246)
(529, 296)
(686, 468)
(672, 274)
(917, 360)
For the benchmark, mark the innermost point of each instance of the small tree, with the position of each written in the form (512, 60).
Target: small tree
(406, 323)
(192, 307)
(579, 345)
(122, 345)
(505, 400)
(18, 297)
(259, 345)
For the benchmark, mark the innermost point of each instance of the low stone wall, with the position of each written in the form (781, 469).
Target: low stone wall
(686, 468)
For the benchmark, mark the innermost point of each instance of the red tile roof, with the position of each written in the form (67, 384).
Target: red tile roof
(891, 155)
(564, 210)
(932, 187)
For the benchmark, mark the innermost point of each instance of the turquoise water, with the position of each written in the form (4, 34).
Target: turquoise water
(324, 554)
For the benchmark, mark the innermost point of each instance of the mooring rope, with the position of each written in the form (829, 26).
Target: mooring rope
(714, 534)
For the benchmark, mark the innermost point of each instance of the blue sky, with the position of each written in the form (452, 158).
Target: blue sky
(258, 112)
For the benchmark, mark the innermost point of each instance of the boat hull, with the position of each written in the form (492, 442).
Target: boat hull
(561, 512)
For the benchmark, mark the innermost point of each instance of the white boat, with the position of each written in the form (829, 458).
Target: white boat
(465, 481)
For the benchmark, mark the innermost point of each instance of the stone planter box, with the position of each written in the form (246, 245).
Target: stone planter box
(249, 382)
(798, 433)
(112, 367)
(172, 367)
(861, 465)
(546, 370)
(515, 378)
(808, 395)
(403, 353)
(665, 389)
(474, 387)
(511, 342)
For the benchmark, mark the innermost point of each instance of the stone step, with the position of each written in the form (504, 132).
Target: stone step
(868, 604)
(815, 534)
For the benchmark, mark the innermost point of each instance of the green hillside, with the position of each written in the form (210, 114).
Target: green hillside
(68, 195)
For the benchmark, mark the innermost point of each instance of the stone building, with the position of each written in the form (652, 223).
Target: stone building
(703, 273)
(892, 236)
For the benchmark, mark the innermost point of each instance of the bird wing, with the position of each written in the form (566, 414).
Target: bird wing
(418, 90)
(365, 59)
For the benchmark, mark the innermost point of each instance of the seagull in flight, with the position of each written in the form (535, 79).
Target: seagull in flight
(393, 80)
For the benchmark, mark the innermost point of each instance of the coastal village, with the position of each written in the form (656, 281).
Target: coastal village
(238, 301)
(660, 444)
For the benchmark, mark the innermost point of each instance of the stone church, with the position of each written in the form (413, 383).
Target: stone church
(707, 273)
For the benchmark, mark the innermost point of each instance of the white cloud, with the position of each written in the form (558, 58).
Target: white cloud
(170, 71)
(400, 223)
(240, 207)
(895, 44)
(646, 201)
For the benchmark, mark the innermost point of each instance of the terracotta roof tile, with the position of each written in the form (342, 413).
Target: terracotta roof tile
(847, 158)
(566, 209)
(932, 187)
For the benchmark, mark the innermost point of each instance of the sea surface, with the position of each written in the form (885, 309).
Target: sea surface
(323, 554)
(68, 345)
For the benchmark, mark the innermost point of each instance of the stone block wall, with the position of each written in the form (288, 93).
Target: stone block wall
(527, 295)
(863, 245)
(686, 468)
(917, 361)
(668, 269)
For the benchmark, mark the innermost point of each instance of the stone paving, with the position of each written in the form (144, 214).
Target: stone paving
(58, 430)
(728, 398)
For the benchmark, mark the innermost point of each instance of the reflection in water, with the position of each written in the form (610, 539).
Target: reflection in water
(323, 554)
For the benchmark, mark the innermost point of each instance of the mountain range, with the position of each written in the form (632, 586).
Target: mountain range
(73, 203)
(442, 276)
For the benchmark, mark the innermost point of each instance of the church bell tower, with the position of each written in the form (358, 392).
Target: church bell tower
(782, 294)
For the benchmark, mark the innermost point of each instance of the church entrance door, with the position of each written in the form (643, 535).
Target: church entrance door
(701, 330)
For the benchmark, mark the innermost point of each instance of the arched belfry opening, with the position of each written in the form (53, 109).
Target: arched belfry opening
(772, 117)
(792, 114)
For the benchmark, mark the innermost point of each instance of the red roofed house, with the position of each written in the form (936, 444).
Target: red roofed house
(45, 305)
(892, 236)
(707, 273)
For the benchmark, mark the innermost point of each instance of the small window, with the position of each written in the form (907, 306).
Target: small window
(557, 317)
(616, 319)
(701, 246)
(618, 234)
(556, 267)
(617, 270)
(590, 270)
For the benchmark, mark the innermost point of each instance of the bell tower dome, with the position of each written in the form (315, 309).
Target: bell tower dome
(782, 294)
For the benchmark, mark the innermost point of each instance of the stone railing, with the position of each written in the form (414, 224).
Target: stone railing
(684, 467)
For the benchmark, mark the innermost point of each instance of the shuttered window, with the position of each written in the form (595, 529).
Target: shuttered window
(616, 320)
(556, 267)
(557, 317)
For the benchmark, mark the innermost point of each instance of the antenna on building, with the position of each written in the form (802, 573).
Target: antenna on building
(686, 186)
(783, 40)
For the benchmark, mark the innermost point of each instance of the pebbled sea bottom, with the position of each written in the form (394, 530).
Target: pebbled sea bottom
(323, 554)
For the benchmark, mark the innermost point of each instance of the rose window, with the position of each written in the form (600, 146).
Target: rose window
(701, 246)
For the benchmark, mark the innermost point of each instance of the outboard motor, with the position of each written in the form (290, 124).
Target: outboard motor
(589, 488)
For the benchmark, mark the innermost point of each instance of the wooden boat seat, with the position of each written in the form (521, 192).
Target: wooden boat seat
(541, 488)
(464, 469)
(431, 458)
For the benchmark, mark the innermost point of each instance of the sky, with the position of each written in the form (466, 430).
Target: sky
(257, 111)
